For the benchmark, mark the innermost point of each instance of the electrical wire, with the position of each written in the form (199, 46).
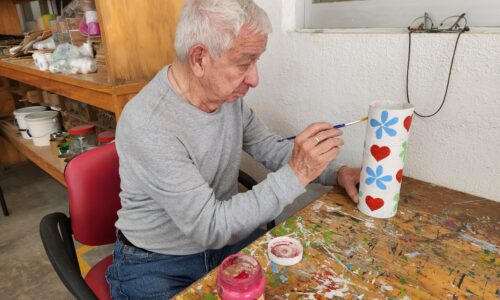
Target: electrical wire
(449, 73)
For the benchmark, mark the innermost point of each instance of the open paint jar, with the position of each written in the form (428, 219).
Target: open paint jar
(285, 251)
(240, 277)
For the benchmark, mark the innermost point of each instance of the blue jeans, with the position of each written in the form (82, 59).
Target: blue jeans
(138, 274)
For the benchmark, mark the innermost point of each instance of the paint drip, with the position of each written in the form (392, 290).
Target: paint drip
(240, 277)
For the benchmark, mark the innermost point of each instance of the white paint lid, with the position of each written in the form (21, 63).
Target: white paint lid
(28, 110)
(285, 251)
(41, 116)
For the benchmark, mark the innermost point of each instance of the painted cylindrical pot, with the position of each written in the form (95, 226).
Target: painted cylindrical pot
(240, 277)
(386, 143)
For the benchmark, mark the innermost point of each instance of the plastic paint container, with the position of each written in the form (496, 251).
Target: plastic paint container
(23, 112)
(240, 277)
(41, 125)
(285, 251)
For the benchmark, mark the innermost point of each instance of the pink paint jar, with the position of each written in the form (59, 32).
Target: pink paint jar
(240, 277)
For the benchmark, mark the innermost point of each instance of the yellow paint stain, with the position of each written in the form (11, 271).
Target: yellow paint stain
(84, 266)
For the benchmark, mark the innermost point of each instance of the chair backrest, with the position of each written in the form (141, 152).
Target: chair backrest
(93, 185)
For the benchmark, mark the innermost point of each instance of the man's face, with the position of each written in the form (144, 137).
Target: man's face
(235, 72)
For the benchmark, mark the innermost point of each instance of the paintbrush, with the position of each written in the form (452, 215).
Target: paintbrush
(334, 126)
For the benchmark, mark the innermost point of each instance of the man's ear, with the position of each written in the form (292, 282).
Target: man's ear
(198, 58)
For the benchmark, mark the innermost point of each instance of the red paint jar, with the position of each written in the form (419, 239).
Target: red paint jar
(240, 277)
(106, 137)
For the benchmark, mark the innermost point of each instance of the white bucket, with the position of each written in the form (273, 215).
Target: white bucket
(23, 112)
(41, 125)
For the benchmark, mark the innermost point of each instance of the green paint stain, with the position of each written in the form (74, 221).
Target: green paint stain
(246, 251)
(471, 273)
(288, 223)
(402, 280)
(279, 231)
(402, 155)
(311, 228)
(210, 296)
(327, 236)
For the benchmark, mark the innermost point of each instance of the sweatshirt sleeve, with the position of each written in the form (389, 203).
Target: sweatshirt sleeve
(170, 177)
(263, 146)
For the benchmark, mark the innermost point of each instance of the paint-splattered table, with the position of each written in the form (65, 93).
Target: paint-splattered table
(442, 244)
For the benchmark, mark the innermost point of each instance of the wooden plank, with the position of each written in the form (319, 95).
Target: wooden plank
(45, 157)
(9, 19)
(139, 39)
(442, 244)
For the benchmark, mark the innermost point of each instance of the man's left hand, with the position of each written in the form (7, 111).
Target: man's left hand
(348, 178)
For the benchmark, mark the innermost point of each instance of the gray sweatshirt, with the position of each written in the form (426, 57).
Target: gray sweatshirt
(179, 169)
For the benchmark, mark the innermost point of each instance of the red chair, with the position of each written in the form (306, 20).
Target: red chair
(93, 185)
(93, 188)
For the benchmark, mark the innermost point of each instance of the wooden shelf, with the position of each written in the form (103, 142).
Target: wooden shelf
(45, 157)
(94, 89)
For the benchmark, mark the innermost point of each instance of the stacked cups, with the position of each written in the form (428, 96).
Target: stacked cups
(386, 143)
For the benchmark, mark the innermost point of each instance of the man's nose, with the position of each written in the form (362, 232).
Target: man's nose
(252, 77)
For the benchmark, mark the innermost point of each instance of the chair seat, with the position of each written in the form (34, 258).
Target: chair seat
(96, 278)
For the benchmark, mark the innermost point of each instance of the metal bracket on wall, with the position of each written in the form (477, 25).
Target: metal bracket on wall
(424, 24)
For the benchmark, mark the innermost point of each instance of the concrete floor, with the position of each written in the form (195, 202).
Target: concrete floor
(25, 270)
(30, 193)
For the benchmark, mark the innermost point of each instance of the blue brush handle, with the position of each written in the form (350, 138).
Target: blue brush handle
(293, 136)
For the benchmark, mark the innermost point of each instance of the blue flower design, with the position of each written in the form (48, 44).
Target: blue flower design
(377, 178)
(384, 125)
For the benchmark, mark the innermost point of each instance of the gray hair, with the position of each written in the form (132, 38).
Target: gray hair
(215, 24)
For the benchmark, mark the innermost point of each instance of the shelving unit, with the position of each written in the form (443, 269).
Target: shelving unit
(138, 40)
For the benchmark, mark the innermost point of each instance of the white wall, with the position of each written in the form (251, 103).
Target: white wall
(308, 77)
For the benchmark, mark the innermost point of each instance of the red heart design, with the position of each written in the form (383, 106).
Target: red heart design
(380, 153)
(374, 203)
(407, 123)
(399, 175)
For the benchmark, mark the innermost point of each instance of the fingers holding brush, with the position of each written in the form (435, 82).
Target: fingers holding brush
(314, 149)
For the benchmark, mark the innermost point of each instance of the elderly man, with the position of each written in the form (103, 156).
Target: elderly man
(180, 141)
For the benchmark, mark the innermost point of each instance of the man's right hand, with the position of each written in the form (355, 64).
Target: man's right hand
(314, 149)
